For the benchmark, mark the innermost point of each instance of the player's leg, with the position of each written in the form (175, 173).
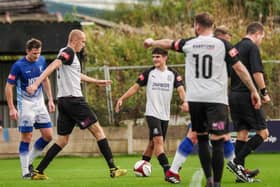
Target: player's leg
(182, 152)
(26, 121)
(24, 153)
(147, 154)
(199, 119)
(229, 151)
(184, 149)
(98, 133)
(158, 129)
(45, 126)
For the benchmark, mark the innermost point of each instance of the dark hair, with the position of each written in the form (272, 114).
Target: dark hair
(160, 51)
(254, 27)
(204, 19)
(33, 43)
(222, 30)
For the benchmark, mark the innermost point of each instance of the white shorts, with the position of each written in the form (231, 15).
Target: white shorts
(33, 114)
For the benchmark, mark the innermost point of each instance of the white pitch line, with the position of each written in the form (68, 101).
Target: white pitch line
(197, 178)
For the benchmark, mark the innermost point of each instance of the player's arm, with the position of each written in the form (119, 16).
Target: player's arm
(163, 43)
(259, 79)
(98, 82)
(245, 77)
(182, 95)
(53, 66)
(47, 88)
(130, 92)
(9, 96)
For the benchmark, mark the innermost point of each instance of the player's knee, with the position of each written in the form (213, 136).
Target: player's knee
(186, 146)
(157, 140)
(264, 134)
(48, 137)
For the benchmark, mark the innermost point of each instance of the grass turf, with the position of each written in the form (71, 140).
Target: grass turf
(92, 171)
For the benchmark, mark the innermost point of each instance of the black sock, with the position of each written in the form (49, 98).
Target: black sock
(250, 146)
(204, 154)
(238, 147)
(163, 161)
(218, 159)
(106, 151)
(51, 153)
(146, 158)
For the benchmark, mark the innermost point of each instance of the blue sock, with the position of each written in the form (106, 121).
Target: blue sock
(228, 149)
(40, 143)
(23, 148)
(185, 147)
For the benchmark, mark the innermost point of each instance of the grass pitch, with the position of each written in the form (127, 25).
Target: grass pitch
(92, 171)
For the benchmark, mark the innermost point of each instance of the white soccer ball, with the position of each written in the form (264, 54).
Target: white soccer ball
(142, 168)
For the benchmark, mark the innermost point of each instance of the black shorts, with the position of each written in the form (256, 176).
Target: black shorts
(243, 114)
(72, 111)
(209, 117)
(157, 127)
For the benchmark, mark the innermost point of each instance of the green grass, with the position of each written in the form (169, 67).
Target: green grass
(92, 171)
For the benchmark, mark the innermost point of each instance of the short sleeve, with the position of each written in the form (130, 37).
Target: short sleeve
(14, 74)
(177, 45)
(66, 56)
(143, 77)
(178, 80)
(255, 60)
(232, 54)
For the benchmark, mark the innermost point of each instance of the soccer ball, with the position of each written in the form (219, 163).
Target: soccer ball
(142, 168)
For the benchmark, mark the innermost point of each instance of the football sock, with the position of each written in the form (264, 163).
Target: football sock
(250, 146)
(51, 153)
(106, 151)
(163, 161)
(184, 149)
(238, 147)
(24, 157)
(146, 158)
(204, 154)
(37, 149)
(229, 150)
(217, 159)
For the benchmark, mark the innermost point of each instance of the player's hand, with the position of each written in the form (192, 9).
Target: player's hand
(13, 114)
(118, 105)
(185, 107)
(266, 99)
(148, 42)
(31, 89)
(256, 100)
(51, 106)
(103, 82)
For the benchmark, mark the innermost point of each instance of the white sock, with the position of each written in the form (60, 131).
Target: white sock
(177, 162)
(230, 157)
(24, 163)
(34, 153)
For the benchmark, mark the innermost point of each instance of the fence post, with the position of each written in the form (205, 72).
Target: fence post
(109, 96)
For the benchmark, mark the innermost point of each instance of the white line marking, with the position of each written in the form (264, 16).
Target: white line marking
(197, 178)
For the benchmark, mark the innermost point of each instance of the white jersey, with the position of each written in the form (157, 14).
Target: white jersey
(159, 91)
(69, 74)
(206, 68)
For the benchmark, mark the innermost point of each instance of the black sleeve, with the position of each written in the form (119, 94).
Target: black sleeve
(232, 54)
(255, 60)
(66, 56)
(143, 77)
(178, 80)
(177, 45)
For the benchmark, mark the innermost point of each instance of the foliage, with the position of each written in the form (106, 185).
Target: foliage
(117, 48)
